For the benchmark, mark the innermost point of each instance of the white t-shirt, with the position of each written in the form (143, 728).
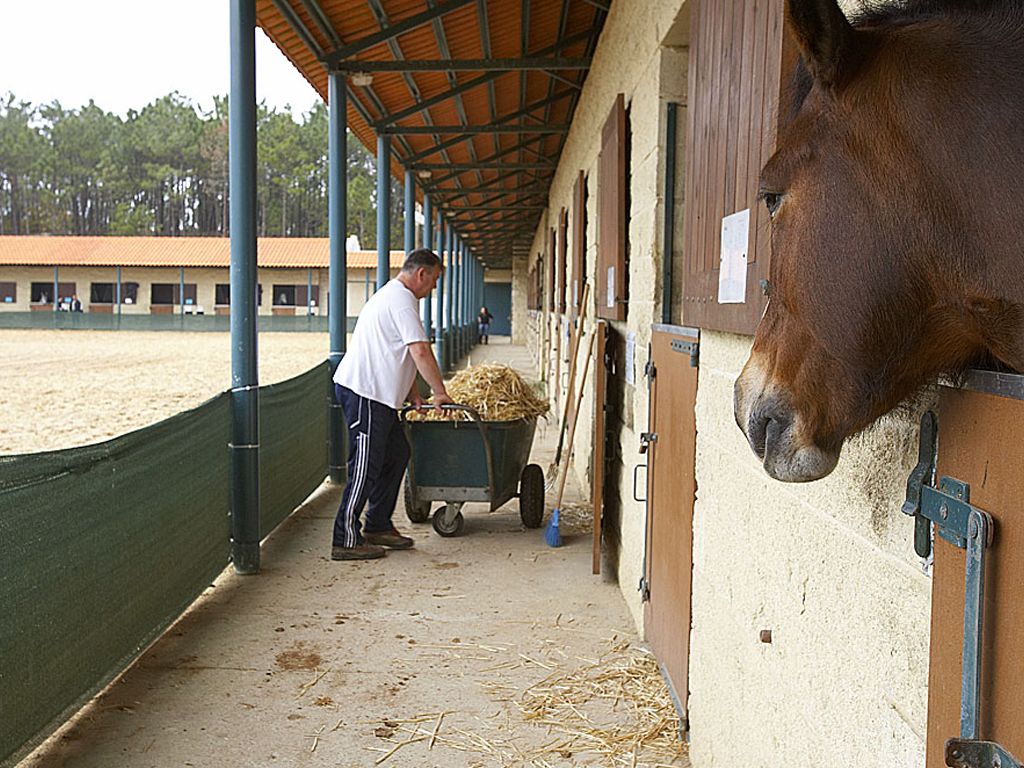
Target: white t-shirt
(378, 364)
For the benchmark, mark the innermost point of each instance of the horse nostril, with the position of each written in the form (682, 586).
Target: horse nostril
(757, 431)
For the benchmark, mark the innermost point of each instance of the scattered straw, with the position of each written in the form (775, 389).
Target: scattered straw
(496, 391)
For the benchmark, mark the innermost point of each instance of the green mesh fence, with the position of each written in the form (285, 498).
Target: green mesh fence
(88, 321)
(103, 547)
(293, 443)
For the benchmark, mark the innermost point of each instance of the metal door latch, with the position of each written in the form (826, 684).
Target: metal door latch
(971, 529)
(646, 438)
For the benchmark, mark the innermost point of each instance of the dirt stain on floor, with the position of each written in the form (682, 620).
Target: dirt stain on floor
(299, 657)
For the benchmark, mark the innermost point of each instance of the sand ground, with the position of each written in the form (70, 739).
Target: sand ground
(486, 650)
(63, 389)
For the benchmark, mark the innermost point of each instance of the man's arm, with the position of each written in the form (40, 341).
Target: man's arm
(423, 356)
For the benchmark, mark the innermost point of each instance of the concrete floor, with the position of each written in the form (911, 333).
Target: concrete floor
(337, 663)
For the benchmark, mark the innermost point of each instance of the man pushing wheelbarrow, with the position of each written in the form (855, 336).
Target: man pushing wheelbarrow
(373, 380)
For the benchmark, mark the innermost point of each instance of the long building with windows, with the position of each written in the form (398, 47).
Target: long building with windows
(173, 275)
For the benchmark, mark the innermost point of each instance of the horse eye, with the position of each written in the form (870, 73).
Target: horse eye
(772, 200)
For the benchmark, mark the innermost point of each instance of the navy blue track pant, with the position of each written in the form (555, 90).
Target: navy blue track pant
(377, 456)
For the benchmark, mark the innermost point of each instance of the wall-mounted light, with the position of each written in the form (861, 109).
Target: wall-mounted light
(425, 174)
(362, 79)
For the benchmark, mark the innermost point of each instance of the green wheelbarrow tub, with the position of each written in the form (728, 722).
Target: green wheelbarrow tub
(460, 461)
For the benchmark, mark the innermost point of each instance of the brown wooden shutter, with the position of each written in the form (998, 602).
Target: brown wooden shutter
(612, 213)
(739, 60)
(550, 285)
(563, 231)
(579, 213)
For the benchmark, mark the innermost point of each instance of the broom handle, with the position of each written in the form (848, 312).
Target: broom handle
(574, 356)
(572, 427)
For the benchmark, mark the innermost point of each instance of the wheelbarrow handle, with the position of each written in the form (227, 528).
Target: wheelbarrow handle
(446, 407)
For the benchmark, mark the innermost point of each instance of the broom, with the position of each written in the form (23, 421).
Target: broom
(552, 534)
(574, 349)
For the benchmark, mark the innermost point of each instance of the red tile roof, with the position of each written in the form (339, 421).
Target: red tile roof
(271, 252)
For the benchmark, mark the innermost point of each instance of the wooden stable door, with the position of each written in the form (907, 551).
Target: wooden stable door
(979, 444)
(671, 490)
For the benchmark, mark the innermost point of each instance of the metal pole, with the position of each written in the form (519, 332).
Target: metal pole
(383, 210)
(309, 290)
(439, 329)
(337, 279)
(118, 291)
(181, 288)
(410, 212)
(55, 276)
(449, 315)
(245, 475)
(428, 241)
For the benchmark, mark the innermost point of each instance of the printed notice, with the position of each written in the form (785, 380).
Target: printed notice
(611, 287)
(732, 269)
(631, 358)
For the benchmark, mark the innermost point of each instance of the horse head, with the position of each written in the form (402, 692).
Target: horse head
(895, 195)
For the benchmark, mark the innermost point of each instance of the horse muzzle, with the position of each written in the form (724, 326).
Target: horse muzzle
(776, 432)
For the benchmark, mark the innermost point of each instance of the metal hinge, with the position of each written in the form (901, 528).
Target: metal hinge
(971, 529)
(644, 589)
(691, 348)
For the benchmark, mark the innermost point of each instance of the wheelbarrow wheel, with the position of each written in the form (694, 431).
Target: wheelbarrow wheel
(417, 513)
(452, 528)
(531, 496)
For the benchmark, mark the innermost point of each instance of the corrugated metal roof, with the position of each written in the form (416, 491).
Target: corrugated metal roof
(319, 34)
(271, 252)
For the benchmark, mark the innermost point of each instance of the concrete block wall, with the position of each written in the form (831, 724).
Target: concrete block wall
(640, 29)
(829, 568)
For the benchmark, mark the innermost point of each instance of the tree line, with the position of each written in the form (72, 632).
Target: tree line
(164, 171)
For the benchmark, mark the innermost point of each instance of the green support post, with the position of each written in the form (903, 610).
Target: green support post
(439, 325)
(337, 297)
(245, 475)
(428, 242)
(383, 210)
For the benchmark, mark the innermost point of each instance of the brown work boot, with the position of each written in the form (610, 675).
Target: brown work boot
(391, 539)
(364, 551)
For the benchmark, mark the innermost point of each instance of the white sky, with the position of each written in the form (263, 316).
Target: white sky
(124, 54)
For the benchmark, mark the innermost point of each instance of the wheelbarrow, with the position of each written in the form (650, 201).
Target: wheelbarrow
(459, 461)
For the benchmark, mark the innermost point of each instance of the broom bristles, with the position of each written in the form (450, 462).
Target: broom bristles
(552, 534)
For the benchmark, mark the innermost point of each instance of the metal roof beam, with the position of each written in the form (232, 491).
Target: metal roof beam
(300, 29)
(481, 166)
(512, 208)
(478, 81)
(472, 130)
(464, 191)
(603, 5)
(322, 22)
(393, 30)
(464, 65)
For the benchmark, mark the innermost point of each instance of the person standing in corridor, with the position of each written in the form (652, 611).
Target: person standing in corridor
(373, 380)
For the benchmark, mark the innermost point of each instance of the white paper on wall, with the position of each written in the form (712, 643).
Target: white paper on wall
(611, 287)
(732, 267)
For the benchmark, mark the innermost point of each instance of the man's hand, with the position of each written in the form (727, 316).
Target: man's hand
(415, 399)
(441, 398)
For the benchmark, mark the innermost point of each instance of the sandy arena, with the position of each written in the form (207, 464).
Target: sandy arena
(69, 388)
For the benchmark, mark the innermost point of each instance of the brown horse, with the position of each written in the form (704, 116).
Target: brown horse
(896, 196)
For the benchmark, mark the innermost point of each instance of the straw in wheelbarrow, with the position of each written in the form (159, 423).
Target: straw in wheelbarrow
(553, 535)
(494, 390)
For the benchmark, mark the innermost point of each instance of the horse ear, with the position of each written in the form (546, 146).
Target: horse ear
(823, 34)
